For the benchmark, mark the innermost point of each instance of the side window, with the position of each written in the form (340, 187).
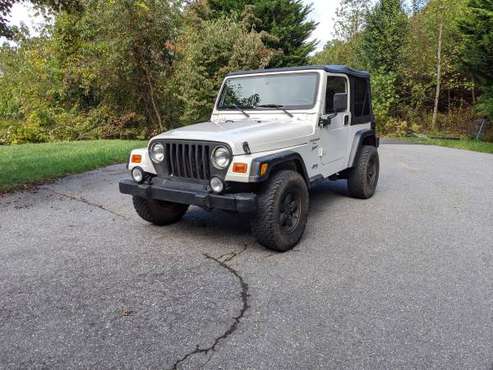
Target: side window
(361, 97)
(335, 85)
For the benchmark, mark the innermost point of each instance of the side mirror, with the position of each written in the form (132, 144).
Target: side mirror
(326, 119)
(340, 102)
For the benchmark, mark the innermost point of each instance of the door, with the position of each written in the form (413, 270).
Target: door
(334, 136)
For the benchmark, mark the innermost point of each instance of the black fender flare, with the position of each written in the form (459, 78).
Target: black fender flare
(362, 137)
(275, 160)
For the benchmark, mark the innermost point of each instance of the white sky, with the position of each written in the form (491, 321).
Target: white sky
(323, 13)
(24, 13)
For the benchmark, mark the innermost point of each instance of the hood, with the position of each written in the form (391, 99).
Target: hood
(261, 135)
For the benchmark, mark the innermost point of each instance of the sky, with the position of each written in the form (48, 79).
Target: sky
(24, 13)
(323, 13)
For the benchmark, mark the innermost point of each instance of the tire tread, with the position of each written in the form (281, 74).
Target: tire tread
(357, 184)
(264, 224)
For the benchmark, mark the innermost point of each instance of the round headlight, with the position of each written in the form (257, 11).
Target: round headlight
(157, 152)
(221, 158)
(216, 185)
(138, 174)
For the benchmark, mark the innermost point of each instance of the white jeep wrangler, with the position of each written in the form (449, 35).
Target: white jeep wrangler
(272, 135)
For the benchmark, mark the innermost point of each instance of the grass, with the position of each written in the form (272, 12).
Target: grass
(29, 164)
(473, 145)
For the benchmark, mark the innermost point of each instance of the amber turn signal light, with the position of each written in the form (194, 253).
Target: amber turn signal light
(136, 158)
(240, 167)
(263, 169)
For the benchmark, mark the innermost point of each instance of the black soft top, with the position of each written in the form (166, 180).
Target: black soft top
(333, 68)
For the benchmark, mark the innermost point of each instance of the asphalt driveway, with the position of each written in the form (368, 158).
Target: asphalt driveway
(404, 280)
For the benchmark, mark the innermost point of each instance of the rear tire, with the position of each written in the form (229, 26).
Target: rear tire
(159, 212)
(363, 177)
(282, 211)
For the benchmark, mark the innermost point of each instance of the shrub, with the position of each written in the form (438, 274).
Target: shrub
(60, 125)
(384, 99)
(208, 51)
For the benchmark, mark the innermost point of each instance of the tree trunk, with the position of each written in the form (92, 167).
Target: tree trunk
(153, 102)
(473, 91)
(439, 77)
(449, 101)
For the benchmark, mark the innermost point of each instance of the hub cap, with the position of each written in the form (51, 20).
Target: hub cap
(371, 175)
(290, 211)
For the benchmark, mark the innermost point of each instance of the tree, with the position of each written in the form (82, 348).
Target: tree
(208, 50)
(102, 72)
(119, 54)
(57, 5)
(341, 52)
(350, 18)
(431, 57)
(346, 47)
(286, 20)
(477, 52)
(384, 36)
(439, 65)
(417, 5)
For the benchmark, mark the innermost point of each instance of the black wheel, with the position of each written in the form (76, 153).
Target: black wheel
(282, 211)
(159, 212)
(363, 178)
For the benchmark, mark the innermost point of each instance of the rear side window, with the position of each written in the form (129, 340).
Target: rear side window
(361, 97)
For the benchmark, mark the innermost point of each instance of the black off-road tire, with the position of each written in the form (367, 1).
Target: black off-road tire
(275, 205)
(159, 212)
(363, 177)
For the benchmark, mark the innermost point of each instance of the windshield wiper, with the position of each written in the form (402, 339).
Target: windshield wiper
(276, 106)
(240, 108)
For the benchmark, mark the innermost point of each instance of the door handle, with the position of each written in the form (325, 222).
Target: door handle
(346, 120)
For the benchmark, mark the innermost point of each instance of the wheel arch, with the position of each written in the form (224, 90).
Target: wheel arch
(279, 161)
(361, 138)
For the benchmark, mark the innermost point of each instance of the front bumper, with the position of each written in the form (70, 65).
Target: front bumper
(186, 193)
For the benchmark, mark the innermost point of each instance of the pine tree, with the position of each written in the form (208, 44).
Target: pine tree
(477, 27)
(286, 20)
(477, 53)
(384, 36)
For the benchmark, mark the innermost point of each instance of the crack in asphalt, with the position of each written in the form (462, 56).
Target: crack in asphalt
(86, 202)
(236, 320)
(221, 260)
(231, 255)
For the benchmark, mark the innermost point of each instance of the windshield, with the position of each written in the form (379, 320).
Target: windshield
(287, 91)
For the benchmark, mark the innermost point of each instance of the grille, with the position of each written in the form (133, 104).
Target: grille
(189, 160)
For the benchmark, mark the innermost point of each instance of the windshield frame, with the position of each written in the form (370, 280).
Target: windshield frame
(261, 109)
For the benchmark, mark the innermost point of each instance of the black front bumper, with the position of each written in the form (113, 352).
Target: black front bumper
(186, 193)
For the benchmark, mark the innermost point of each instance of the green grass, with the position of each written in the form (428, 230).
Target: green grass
(473, 145)
(27, 164)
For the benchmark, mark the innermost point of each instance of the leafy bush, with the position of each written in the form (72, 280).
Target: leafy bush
(485, 105)
(209, 50)
(60, 125)
(384, 99)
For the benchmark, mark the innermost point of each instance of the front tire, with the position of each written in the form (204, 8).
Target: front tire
(363, 178)
(159, 212)
(282, 211)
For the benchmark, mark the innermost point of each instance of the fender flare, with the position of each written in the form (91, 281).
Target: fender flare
(274, 160)
(362, 137)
